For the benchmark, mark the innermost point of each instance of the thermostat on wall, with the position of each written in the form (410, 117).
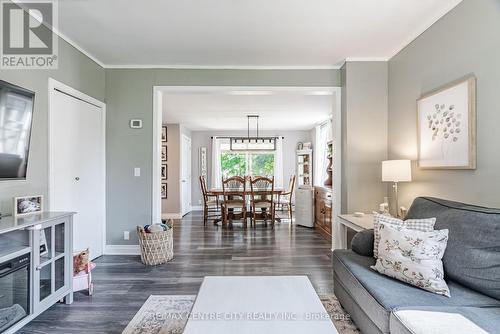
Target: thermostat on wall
(136, 123)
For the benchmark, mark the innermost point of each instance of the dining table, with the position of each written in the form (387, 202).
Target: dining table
(247, 192)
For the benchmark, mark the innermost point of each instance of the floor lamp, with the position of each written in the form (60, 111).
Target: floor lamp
(396, 171)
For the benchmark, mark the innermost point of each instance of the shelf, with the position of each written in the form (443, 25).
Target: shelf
(13, 251)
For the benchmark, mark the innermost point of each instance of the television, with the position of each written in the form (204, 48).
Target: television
(16, 116)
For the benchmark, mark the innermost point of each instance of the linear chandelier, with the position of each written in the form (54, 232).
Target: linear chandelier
(252, 143)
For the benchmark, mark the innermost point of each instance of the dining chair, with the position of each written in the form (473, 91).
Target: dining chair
(234, 193)
(210, 202)
(285, 198)
(262, 198)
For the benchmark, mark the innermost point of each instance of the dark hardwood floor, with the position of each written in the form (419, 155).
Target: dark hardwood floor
(123, 283)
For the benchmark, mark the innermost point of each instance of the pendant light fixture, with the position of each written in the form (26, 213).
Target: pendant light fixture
(253, 143)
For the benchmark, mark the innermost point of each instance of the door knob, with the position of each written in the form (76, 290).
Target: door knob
(77, 178)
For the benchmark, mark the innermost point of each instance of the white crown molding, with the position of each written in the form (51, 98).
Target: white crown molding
(122, 250)
(355, 59)
(423, 28)
(225, 67)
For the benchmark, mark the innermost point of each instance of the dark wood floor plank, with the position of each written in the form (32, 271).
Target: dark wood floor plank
(123, 283)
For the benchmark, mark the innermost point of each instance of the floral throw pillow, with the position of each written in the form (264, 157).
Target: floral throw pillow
(424, 225)
(413, 257)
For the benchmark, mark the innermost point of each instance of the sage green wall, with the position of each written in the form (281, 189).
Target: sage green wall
(75, 70)
(364, 135)
(129, 94)
(466, 40)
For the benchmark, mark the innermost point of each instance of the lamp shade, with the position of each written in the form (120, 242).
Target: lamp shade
(396, 171)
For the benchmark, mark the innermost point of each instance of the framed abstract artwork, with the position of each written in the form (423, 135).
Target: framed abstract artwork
(447, 126)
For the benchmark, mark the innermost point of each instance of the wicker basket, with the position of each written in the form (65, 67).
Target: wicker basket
(156, 248)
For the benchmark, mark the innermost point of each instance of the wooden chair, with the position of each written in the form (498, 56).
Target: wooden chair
(210, 202)
(285, 198)
(234, 192)
(262, 198)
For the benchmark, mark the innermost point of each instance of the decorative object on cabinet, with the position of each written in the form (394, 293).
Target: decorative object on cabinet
(27, 205)
(447, 126)
(164, 172)
(396, 171)
(203, 161)
(329, 169)
(164, 133)
(164, 153)
(300, 146)
(304, 167)
(323, 211)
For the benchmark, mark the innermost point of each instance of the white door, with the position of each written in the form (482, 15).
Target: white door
(185, 175)
(78, 168)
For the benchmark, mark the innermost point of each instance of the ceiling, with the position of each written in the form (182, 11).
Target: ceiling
(244, 34)
(227, 109)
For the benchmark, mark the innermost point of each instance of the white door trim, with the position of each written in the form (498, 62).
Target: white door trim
(157, 124)
(184, 211)
(59, 86)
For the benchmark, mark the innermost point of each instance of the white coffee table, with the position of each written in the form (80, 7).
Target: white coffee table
(258, 304)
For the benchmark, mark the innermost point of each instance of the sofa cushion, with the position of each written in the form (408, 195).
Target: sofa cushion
(445, 320)
(472, 256)
(362, 243)
(379, 294)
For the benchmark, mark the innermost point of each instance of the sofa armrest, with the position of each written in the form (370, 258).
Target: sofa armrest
(362, 243)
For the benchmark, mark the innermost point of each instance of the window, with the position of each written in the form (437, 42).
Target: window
(246, 163)
(227, 163)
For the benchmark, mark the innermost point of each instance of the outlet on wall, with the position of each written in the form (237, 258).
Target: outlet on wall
(126, 235)
(199, 202)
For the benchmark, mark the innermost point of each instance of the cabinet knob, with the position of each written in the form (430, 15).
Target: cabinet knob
(77, 178)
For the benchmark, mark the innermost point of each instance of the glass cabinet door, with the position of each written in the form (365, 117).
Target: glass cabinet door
(51, 261)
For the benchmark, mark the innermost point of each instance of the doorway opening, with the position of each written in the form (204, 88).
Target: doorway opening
(168, 111)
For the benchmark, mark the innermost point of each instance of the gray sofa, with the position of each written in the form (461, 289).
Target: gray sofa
(379, 304)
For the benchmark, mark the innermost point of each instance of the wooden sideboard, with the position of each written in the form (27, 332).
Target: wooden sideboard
(323, 211)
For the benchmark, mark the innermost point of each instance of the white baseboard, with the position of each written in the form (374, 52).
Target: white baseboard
(171, 216)
(122, 250)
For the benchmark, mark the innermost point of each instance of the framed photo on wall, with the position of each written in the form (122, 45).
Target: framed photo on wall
(446, 120)
(163, 190)
(164, 153)
(163, 134)
(164, 172)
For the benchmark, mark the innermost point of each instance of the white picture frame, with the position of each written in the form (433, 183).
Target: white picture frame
(27, 205)
(203, 161)
(446, 126)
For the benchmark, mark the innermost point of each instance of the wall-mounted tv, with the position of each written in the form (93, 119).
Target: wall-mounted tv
(16, 115)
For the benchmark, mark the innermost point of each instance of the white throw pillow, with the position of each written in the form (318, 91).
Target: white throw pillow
(413, 257)
(424, 225)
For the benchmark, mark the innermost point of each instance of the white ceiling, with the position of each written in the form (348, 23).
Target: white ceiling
(244, 33)
(227, 109)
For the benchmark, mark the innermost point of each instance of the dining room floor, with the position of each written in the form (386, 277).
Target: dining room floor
(123, 283)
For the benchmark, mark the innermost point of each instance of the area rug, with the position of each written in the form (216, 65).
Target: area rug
(168, 315)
